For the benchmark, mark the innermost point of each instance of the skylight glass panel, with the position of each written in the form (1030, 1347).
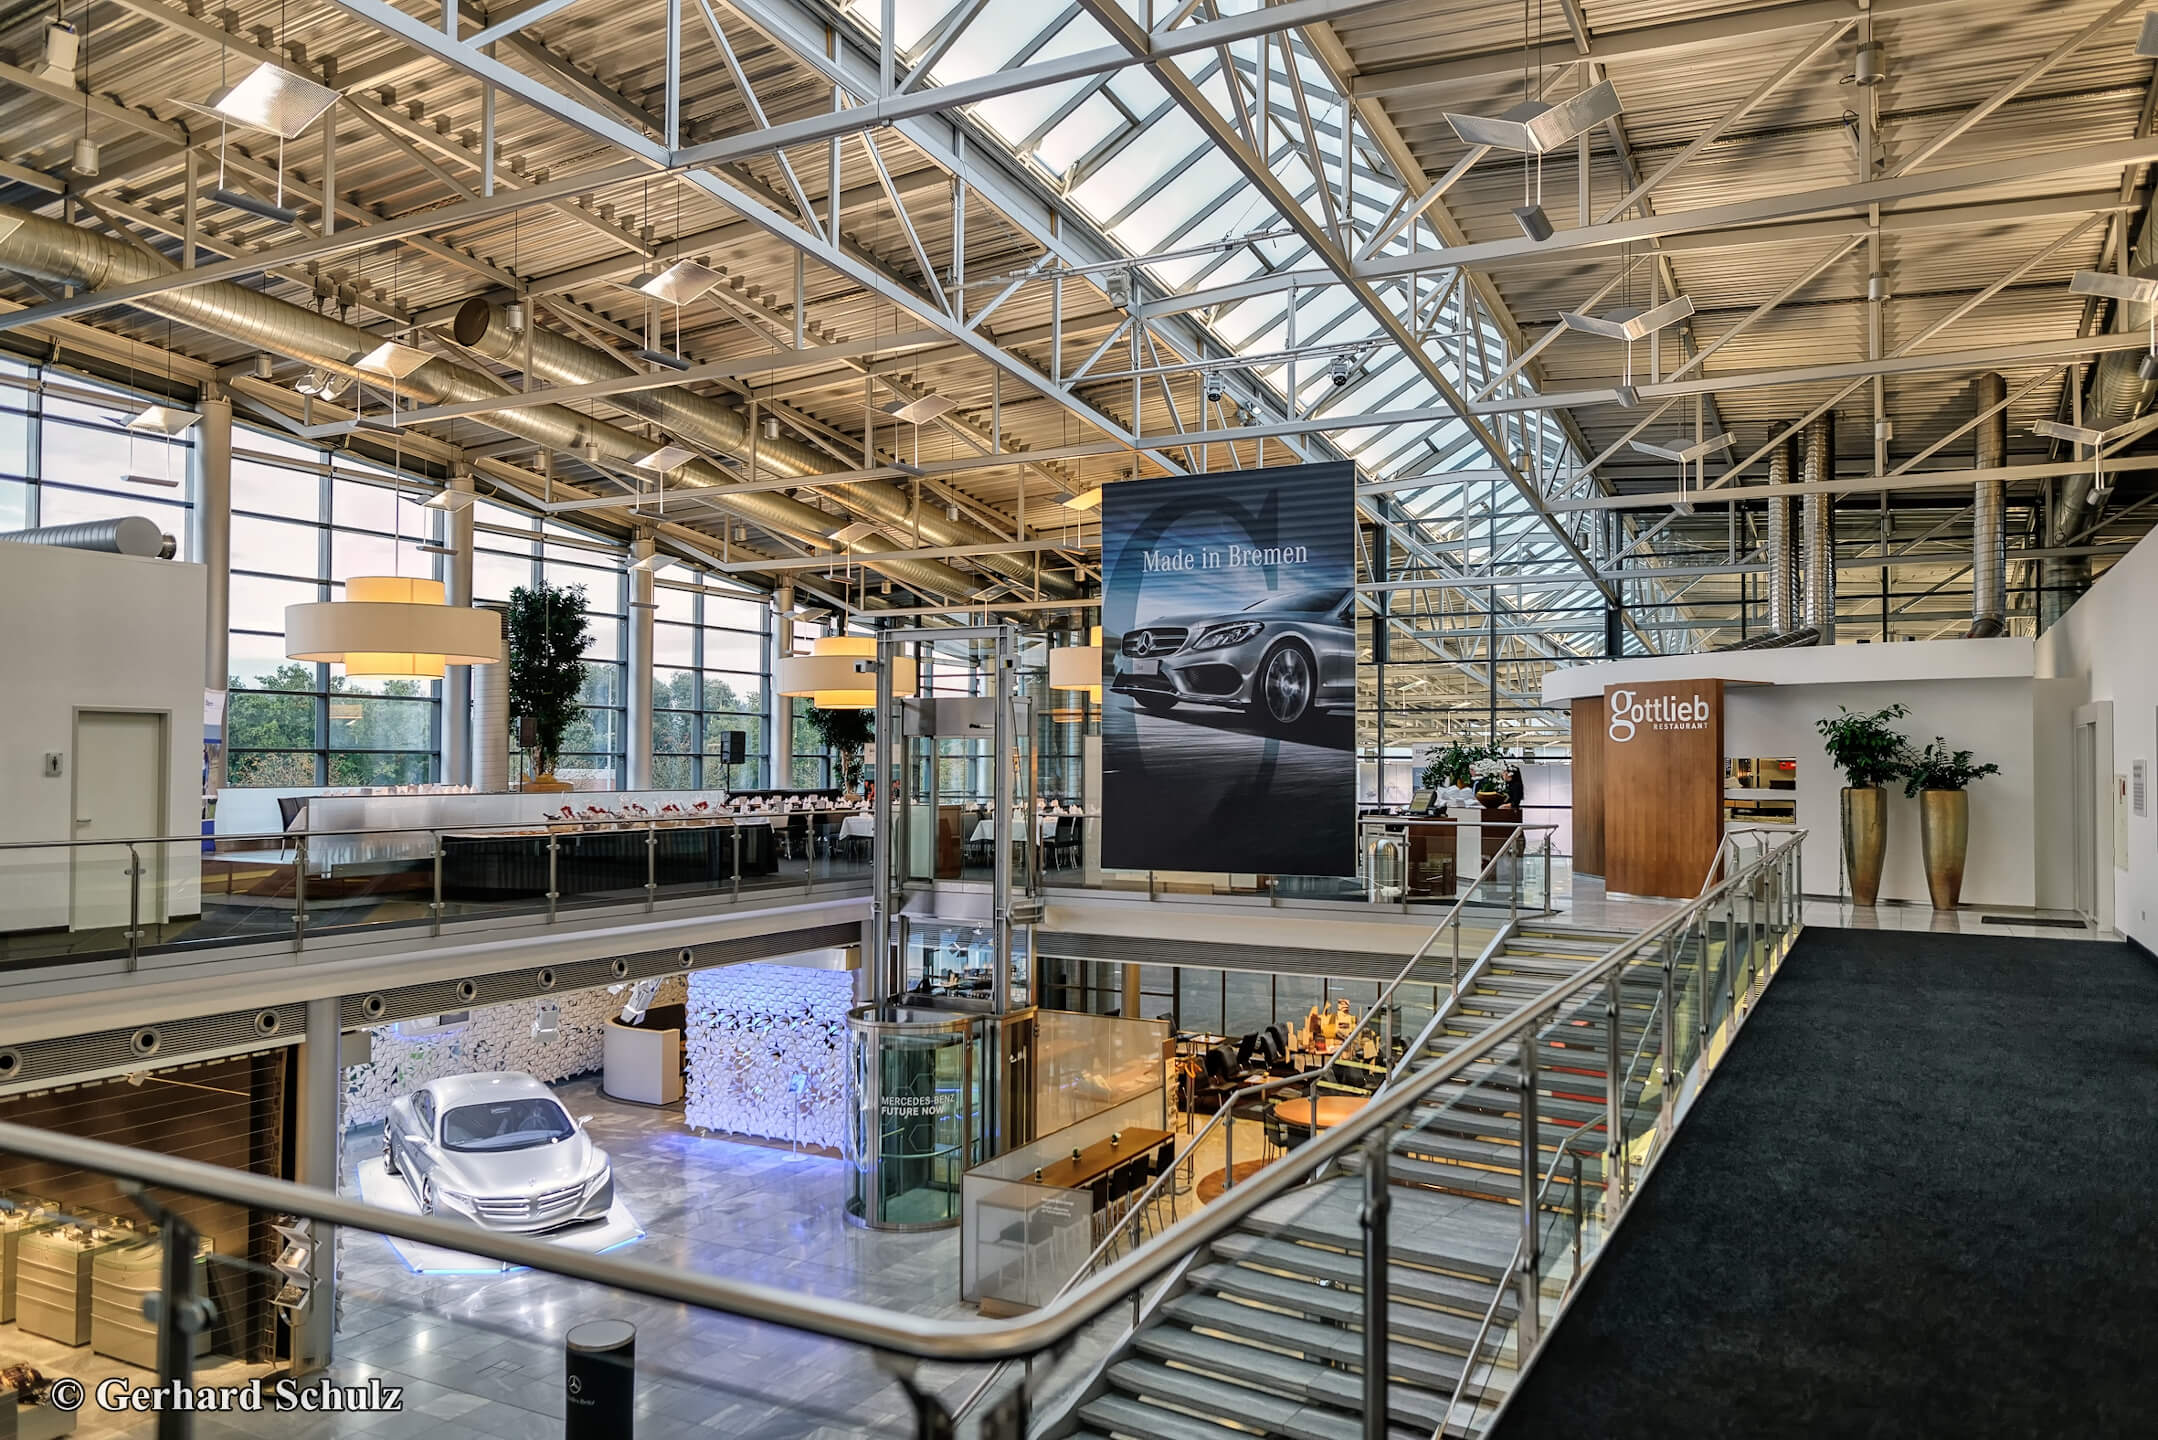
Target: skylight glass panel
(914, 19)
(990, 40)
(1079, 132)
(1206, 176)
(1141, 93)
(1137, 165)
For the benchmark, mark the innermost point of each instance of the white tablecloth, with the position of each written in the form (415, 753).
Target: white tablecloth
(857, 827)
(985, 830)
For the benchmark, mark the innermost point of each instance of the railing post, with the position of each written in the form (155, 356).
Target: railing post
(434, 907)
(734, 834)
(180, 1317)
(1614, 1101)
(1228, 1148)
(1549, 888)
(1378, 1201)
(1701, 1016)
(651, 864)
(299, 892)
(1670, 1031)
(1531, 1153)
(1581, 1210)
(1520, 853)
(134, 905)
(554, 855)
(1454, 975)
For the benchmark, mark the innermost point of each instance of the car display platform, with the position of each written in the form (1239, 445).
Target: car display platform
(379, 1187)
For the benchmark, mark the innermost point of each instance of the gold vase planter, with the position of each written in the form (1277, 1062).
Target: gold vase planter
(1944, 832)
(1865, 841)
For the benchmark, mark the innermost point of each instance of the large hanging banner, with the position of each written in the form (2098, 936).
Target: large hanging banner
(1229, 672)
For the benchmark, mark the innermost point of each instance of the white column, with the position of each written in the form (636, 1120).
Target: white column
(638, 743)
(457, 680)
(491, 725)
(778, 709)
(211, 524)
(316, 1138)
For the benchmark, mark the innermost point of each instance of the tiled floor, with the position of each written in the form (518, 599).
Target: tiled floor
(1966, 920)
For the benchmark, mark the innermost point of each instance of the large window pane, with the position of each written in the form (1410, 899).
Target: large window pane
(674, 645)
(258, 603)
(363, 769)
(283, 770)
(270, 722)
(275, 490)
(373, 723)
(275, 547)
(14, 504)
(733, 692)
(494, 575)
(732, 650)
(674, 689)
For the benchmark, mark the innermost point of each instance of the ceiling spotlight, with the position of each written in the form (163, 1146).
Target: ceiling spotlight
(320, 384)
(2147, 367)
(1627, 396)
(771, 427)
(1340, 368)
(664, 357)
(1537, 127)
(393, 359)
(513, 316)
(84, 160)
(1629, 325)
(666, 458)
(1213, 387)
(922, 411)
(1117, 286)
(270, 98)
(1691, 453)
(1534, 222)
(2136, 289)
(265, 367)
(679, 283)
(2074, 434)
(62, 48)
(162, 420)
(241, 200)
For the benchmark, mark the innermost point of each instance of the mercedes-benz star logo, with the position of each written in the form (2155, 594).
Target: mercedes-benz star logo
(1143, 643)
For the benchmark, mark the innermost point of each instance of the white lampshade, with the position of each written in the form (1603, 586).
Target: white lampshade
(392, 627)
(828, 677)
(1078, 667)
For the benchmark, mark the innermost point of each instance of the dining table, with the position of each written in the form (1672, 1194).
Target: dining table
(1077, 1172)
(1333, 1110)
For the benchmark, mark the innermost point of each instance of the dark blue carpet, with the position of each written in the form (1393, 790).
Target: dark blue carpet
(1919, 1198)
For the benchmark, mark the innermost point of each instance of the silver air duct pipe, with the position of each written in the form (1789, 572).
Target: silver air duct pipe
(1782, 573)
(484, 329)
(2118, 393)
(50, 250)
(1817, 538)
(1778, 640)
(1989, 530)
(491, 725)
(127, 535)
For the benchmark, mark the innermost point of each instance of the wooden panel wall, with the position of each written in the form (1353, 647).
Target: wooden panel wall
(1588, 797)
(1663, 786)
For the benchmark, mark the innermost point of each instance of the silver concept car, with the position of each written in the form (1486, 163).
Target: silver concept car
(1283, 658)
(498, 1150)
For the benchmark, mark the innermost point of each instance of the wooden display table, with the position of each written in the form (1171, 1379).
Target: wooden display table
(1333, 1110)
(1100, 1158)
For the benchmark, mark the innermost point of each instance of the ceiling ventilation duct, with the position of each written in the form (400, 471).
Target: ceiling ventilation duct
(67, 254)
(1784, 592)
(127, 535)
(1817, 530)
(485, 330)
(1989, 531)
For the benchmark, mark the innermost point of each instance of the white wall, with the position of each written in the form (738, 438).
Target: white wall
(1990, 717)
(83, 630)
(2103, 650)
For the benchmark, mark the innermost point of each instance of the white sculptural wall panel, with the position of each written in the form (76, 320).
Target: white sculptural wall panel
(496, 1037)
(767, 1049)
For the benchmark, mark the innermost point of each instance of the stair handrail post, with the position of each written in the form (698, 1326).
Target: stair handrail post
(134, 905)
(434, 908)
(1228, 1147)
(299, 890)
(1614, 1102)
(1548, 907)
(1378, 1205)
(1531, 1135)
(1700, 968)
(554, 857)
(1580, 1220)
(1670, 1030)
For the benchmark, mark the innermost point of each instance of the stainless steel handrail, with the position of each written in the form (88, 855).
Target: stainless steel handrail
(961, 1342)
(528, 827)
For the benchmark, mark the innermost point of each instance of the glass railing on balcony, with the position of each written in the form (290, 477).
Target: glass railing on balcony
(96, 900)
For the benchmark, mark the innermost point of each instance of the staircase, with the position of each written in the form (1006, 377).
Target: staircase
(1261, 1333)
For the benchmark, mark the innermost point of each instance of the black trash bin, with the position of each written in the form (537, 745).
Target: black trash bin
(600, 1380)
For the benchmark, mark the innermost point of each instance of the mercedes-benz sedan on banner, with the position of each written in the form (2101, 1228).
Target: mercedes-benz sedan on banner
(498, 1150)
(1282, 659)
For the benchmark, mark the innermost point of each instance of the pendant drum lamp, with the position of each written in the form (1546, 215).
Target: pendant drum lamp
(828, 677)
(1078, 667)
(393, 627)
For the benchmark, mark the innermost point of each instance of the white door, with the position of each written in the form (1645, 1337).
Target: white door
(119, 795)
(2085, 784)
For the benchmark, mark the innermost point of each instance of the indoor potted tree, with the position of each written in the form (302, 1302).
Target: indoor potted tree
(1870, 753)
(1454, 764)
(547, 632)
(1940, 778)
(849, 733)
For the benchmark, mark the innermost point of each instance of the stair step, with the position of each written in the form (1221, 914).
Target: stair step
(1346, 1268)
(1286, 1375)
(1338, 1306)
(1504, 1130)
(1464, 1180)
(1407, 1364)
(1124, 1415)
(1264, 1411)
(1424, 1145)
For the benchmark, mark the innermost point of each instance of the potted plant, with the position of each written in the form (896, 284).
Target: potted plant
(1870, 753)
(848, 732)
(1490, 776)
(1939, 778)
(1453, 764)
(547, 632)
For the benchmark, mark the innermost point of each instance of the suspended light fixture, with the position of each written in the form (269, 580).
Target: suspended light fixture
(392, 359)
(666, 458)
(1084, 501)
(1691, 453)
(270, 98)
(923, 410)
(1538, 127)
(392, 627)
(1628, 324)
(829, 677)
(1078, 667)
(320, 384)
(161, 420)
(2084, 435)
(679, 283)
(254, 205)
(451, 500)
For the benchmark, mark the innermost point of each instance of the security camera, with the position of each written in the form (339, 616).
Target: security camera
(1213, 387)
(1342, 367)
